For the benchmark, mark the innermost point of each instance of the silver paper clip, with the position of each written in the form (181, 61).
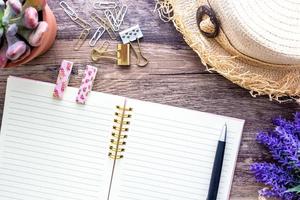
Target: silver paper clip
(111, 19)
(102, 5)
(121, 15)
(68, 10)
(74, 16)
(96, 37)
(116, 16)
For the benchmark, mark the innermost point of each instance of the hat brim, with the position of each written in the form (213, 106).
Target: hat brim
(274, 81)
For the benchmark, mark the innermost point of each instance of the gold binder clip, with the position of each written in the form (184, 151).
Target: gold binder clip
(122, 58)
(123, 55)
(134, 34)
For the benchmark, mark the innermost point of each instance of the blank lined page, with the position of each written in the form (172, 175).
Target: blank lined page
(170, 152)
(54, 149)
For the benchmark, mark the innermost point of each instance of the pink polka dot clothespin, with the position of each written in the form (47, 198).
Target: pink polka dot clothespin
(62, 79)
(86, 84)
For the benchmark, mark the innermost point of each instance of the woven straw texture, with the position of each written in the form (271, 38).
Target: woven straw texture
(275, 81)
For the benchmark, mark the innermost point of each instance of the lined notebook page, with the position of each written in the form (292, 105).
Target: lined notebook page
(170, 152)
(54, 149)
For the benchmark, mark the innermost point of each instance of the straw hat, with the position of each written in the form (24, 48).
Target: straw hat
(253, 43)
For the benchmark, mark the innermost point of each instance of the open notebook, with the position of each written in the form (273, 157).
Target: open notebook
(111, 148)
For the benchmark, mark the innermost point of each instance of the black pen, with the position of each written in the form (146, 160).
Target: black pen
(217, 168)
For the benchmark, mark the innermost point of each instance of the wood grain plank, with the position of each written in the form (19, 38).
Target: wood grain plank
(174, 76)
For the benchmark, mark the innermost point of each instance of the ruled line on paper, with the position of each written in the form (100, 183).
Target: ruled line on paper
(50, 188)
(50, 171)
(64, 111)
(169, 140)
(202, 152)
(42, 192)
(165, 164)
(165, 159)
(53, 166)
(57, 121)
(122, 196)
(46, 176)
(47, 97)
(80, 119)
(146, 184)
(141, 195)
(174, 148)
(54, 182)
(51, 160)
(13, 192)
(60, 133)
(51, 143)
(49, 137)
(143, 114)
(148, 168)
(127, 178)
(180, 133)
(158, 174)
(143, 191)
(59, 151)
(48, 126)
(169, 155)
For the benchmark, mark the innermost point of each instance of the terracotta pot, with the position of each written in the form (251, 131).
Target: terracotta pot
(48, 39)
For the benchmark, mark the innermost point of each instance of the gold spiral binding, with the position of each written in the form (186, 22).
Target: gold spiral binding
(121, 123)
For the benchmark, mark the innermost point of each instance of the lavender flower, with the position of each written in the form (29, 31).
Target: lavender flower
(276, 178)
(284, 145)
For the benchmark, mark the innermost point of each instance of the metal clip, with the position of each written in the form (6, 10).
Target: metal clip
(102, 5)
(83, 36)
(122, 58)
(121, 15)
(123, 54)
(68, 10)
(139, 55)
(134, 34)
(103, 22)
(74, 16)
(96, 37)
(111, 19)
(116, 16)
(102, 52)
(131, 34)
(82, 23)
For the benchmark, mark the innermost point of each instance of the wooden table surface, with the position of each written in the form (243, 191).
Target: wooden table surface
(174, 76)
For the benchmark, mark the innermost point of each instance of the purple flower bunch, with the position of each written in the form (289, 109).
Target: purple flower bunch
(284, 145)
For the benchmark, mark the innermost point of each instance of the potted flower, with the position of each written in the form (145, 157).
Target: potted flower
(27, 29)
